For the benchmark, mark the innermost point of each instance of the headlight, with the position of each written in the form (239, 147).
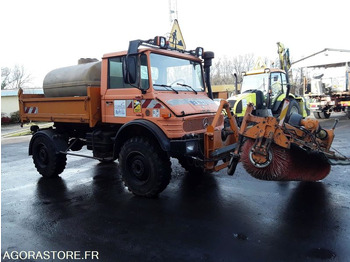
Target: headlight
(190, 147)
(199, 51)
(160, 41)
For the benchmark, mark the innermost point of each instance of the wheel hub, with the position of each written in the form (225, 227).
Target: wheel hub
(43, 157)
(138, 168)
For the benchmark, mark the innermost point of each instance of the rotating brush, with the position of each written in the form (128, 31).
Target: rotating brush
(308, 166)
(284, 164)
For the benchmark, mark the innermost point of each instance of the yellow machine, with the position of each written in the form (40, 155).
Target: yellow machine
(267, 89)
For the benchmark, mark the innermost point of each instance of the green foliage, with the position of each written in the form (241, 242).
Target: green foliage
(15, 117)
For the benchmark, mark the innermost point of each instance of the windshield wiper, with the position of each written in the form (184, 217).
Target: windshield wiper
(167, 86)
(188, 87)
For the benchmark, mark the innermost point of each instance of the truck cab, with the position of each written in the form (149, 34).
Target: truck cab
(169, 87)
(166, 98)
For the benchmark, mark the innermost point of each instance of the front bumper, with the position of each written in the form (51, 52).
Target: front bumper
(186, 147)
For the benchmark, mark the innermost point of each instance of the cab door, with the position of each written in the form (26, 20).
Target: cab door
(276, 90)
(121, 101)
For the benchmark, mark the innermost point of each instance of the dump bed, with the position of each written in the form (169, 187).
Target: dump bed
(77, 109)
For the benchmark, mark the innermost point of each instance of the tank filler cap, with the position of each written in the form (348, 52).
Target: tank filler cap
(86, 60)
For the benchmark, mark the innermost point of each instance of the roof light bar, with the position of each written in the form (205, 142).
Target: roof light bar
(160, 42)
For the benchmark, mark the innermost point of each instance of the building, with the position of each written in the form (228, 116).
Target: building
(326, 58)
(9, 100)
(223, 91)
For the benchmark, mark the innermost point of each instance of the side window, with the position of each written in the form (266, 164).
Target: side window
(115, 73)
(284, 82)
(276, 84)
(144, 72)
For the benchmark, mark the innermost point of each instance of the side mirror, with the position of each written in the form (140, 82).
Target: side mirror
(131, 70)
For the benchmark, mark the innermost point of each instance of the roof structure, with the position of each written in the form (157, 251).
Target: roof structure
(328, 57)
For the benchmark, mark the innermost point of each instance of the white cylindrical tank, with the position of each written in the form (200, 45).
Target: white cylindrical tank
(72, 80)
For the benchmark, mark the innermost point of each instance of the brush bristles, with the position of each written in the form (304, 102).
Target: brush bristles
(287, 164)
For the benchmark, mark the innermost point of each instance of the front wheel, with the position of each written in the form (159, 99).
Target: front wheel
(146, 169)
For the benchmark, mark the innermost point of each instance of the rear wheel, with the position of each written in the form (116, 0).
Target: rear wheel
(146, 169)
(322, 115)
(47, 161)
(325, 115)
(316, 115)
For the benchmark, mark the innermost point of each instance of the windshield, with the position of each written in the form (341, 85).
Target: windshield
(170, 73)
(259, 81)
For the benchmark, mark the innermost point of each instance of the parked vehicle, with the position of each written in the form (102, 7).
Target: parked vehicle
(140, 106)
(268, 89)
(329, 92)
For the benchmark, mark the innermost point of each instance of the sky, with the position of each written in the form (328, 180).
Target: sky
(43, 35)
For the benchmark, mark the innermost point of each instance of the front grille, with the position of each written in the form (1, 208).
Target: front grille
(192, 125)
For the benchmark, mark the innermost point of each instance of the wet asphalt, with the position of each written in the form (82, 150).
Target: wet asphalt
(210, 218)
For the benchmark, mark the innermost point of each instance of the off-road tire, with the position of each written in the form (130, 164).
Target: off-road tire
(47, 161)
(146, 169)
(317, 115)
(292, 108)
(325, 115)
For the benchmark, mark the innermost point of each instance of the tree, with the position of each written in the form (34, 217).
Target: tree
(14, 78)
(5, 74)
(223, 70)
(243, 63)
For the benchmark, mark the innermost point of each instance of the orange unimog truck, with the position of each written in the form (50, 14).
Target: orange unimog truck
(140, 106)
